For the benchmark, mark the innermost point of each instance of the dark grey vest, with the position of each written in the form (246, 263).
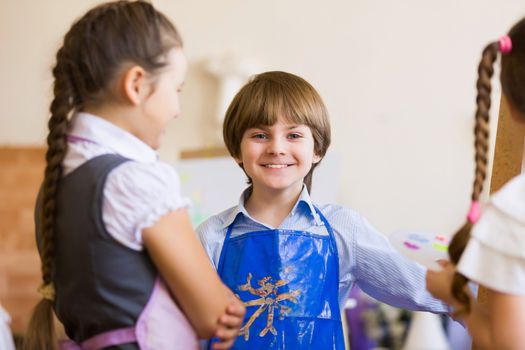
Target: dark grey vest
(100, 284)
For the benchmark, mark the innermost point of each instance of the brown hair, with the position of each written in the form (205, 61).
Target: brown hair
(94, 50)
(513, 85)
(270, 95)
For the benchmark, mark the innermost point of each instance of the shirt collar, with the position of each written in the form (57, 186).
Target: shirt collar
(239, 209)
(304, 204)
(102, 132)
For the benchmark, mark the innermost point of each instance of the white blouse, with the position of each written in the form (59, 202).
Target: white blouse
(495, 254)
(136, 193)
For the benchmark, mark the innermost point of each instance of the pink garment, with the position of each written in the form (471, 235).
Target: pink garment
(161, 326)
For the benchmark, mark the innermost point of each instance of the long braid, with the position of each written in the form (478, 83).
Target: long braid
(57, 147)
(41, 332)
(481, 134)
(94, 49)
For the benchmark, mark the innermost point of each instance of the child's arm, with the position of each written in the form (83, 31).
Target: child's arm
(383, 273)
(182, 262)
(496, 325)
(229, 324)
(507, 317)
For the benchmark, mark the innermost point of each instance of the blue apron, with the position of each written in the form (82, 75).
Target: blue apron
(289, 283)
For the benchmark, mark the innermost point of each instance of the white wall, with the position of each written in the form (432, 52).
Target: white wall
(398, 78)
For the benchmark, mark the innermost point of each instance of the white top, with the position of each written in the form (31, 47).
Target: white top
(495, 254)
(136, 193)
(6, 338)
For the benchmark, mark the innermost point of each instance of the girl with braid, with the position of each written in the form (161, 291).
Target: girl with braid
(121, 265)
(491, 251)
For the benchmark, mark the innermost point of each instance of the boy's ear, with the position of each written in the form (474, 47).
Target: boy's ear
(134, 84)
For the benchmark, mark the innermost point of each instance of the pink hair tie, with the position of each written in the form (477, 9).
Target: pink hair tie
(505, 44)
(474, 212)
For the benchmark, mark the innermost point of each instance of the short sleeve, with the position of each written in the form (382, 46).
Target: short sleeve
(136, 195)
(510, 199)
(495, 254)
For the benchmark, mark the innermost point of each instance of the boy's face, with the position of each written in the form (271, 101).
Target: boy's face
(278, 157)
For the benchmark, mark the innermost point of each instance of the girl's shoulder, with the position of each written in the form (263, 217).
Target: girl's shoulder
(504, 217)
(149, 183)
(145, 175)
(136, 195)
(510, 199)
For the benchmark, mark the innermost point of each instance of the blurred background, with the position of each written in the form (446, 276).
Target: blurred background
(398, 78)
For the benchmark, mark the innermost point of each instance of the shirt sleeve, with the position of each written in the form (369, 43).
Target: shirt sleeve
(386, 275)
(211, 234)
(498, 264)
(136, 195)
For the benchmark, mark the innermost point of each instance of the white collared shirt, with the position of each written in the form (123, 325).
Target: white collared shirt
(136, 193)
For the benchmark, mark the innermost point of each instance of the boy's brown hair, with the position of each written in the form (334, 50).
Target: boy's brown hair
(270, 95)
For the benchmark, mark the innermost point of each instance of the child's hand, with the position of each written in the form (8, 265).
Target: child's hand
(229, 324)
(439, 283)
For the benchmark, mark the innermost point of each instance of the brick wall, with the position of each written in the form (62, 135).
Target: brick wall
(21, 172)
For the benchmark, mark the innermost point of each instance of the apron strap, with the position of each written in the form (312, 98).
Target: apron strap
(223, 250)
(102, 340)
(333, 243)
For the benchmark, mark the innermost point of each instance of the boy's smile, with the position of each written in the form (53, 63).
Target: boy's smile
(278, 157)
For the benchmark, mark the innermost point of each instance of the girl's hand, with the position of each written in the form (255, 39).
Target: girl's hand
(230, 324)
(439, 283)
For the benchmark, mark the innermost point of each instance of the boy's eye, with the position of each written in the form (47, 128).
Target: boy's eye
(259, 136)
(294, 135)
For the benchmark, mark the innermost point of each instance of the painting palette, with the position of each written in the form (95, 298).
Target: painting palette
(423, 247)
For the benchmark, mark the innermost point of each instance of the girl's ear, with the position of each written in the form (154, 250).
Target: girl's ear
(316, 159)
(135, 85)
